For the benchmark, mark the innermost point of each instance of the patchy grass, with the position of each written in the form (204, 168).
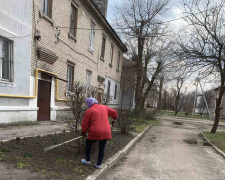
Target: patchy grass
(218, 139)
(141, 124)
(182, 114)
(20, 123)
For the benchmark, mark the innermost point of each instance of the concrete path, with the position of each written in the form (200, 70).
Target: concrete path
(31, 130)
(163, 155)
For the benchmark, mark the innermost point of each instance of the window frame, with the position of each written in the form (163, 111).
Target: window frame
(118, 61)
(111, 54)
(69, 86)
(47, 7)
(108, 87)
(103, 47)
(73, 11)
(10, 60)
(115, 92)
(92, 37)
(89, 73)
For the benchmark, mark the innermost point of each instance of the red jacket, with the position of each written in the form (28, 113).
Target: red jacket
(97, 123)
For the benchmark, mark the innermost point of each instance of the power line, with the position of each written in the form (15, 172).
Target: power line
(121, 28)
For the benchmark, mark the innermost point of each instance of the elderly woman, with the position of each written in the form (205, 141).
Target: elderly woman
(96, 122)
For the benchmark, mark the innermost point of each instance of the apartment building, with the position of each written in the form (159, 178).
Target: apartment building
(72, 42)
(15, 61)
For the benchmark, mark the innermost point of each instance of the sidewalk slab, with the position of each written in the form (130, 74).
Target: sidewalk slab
(42, 128)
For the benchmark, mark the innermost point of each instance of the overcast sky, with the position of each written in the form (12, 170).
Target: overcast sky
(174, 13)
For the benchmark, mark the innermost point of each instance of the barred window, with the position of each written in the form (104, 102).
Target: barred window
(6, 60)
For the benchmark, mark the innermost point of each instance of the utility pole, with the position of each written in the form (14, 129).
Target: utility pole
(195, 98)
(205, 99)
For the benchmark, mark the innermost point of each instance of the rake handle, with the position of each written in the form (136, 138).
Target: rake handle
(54, 146)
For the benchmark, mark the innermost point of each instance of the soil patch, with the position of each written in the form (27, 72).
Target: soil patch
(60, 163)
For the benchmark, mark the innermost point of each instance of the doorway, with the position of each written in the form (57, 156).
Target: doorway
(44, 99)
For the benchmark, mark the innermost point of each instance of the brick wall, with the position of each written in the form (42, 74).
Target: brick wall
(70, 50)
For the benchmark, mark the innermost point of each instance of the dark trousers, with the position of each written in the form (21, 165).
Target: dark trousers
(101, 150)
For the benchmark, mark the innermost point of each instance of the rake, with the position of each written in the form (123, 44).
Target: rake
(54, 146)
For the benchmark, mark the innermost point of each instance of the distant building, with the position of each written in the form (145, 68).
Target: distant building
(153, 97)
(127, 88)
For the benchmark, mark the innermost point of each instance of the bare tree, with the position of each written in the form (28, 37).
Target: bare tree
(202, 45)
(142, 31)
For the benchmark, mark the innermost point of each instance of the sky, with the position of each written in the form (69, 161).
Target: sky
(174, 13)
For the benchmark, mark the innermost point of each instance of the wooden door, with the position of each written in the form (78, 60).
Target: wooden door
(44, 98)
(99, 98)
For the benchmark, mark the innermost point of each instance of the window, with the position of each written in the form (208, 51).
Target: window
(103, 47)
(6, 60)
(108, 89)
(111, 53)
(47, 7)
(88, 78)
(73, 20)
(70, 77)
(118, 61)
(92, 37)
(115, 93)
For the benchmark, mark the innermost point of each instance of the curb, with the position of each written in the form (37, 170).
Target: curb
(35, 136)
(113, 160)
(213, 145)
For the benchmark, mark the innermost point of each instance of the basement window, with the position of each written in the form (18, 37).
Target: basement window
(6, 60)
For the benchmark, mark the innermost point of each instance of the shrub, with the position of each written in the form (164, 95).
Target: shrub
(124, 121)
(76, 101)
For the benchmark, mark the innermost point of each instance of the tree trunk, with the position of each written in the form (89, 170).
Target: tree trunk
(218, 103)
(217, 110)
(160, 94)
(177, 103)
(138, 93)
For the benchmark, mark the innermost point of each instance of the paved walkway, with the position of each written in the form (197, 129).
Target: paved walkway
(163, 155)
(31, 130)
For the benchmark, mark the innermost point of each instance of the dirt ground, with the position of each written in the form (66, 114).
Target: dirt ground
(163, 155)
(60, 163)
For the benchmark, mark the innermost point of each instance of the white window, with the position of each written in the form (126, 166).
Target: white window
(108, 88)
(92, 37)
(6, 60)
(115, 93)
(70, 76)
(111, 53)
(118, 61)
(88, 78)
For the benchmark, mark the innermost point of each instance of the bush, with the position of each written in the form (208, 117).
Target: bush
(124, 121)
(76, 101)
